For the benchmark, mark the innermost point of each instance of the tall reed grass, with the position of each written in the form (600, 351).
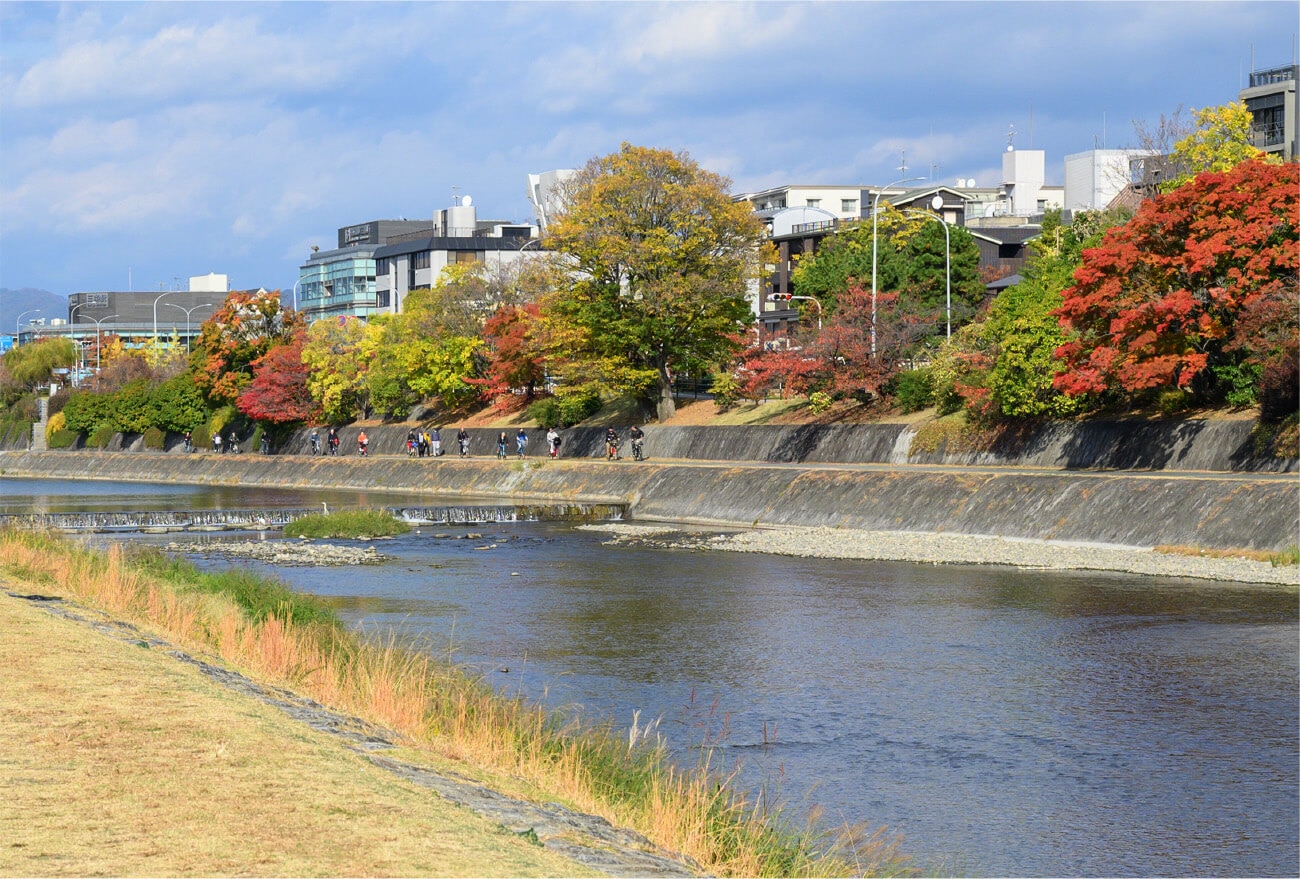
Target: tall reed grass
(294, 640)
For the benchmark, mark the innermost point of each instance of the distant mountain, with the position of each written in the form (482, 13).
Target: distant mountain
(43, 303)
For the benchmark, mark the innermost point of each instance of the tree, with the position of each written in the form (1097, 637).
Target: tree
(845, 257)
(34, 363)
(1004, 365)
(845, 344)
(659, 258)
(516, 357)
(278, 392)
(333, 354)
(248, 324)
(1157, 303)
(1221, 141)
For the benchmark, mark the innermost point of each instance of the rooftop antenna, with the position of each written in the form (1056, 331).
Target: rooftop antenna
(1011, 137)
(1031, 125)
(934, 170)
(902, 157)
(455, 199)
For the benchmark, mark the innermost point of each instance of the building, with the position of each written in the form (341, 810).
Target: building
(842, 202)
(1094, 178)
(415, 260)
(1274, 107)
(342, 281)
(546, 194)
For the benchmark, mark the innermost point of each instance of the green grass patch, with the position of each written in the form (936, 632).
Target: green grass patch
(260, 596)
(358, 524)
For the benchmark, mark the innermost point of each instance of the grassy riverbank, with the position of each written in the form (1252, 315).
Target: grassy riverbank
(282, 638)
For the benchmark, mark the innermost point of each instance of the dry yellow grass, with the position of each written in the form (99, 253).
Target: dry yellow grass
(437, 708)
(118, 760)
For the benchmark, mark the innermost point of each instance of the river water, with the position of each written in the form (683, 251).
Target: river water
(1004, 722)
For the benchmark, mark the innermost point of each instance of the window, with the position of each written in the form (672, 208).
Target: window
(381, 266)
(848, 206)
(465, 256)
(814, 202)
(420, 260)
(382, 299)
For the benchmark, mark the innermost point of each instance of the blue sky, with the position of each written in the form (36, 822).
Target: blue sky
(145, 143)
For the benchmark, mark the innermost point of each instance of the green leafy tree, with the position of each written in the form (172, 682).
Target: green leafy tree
(337, 377)
(177, 405)
(87, 410)
(659, 259)
(844, 259)
(34, 363)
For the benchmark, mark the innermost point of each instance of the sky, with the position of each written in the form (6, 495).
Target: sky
(145, 143)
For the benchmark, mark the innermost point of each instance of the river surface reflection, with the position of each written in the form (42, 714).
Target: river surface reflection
(1005, 722)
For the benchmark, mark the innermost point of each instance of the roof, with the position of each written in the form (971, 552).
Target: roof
(446, 243)
(1004, 283)
(1005, 234)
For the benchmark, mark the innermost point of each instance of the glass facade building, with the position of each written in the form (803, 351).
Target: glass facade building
(339, 282)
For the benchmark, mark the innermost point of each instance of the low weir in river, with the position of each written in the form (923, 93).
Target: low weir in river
(256, 520)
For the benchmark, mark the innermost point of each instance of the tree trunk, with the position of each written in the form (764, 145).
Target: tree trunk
(667, 405)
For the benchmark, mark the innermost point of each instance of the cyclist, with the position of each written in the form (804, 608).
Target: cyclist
(638, 442)
(611, 444)
(315, 441)
(521, 441)
(462, 437)
(363, 442)
(502, 440)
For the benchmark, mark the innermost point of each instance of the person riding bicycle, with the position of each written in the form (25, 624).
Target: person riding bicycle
(334, 441)
(363, 442)
(315, 441)
(638, 442)
(611, 444)
(502, 440)
(521, 442)
(232, 443)
(462, 437)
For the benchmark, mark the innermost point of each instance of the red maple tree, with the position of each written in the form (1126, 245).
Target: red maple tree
(1202, 276)
(516, 359)
(278, 392)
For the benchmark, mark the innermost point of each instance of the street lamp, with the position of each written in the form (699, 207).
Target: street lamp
(155, 315)
(187, 318)
(782, 297)
(875, 226)
(937, 204)
(98, 343)
(18, 321)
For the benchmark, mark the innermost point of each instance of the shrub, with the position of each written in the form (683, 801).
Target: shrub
(62, 439)
(101, 436)
(578, 406)
(725, 390)
(819, 402)
(56, 423)
(545, 412)
(349, 523)
(201, 437)
(1173, 401)
(913, 390)
(154, 438)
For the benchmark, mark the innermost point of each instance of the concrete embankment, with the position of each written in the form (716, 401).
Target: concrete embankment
(1131, 509)
(1218, 445)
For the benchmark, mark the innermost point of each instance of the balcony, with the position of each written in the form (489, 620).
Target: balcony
(1273, 76)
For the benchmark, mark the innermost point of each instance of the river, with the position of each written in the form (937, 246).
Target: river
(1004, 722)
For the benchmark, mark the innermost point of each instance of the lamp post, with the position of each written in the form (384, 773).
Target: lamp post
(98, 343)
(187, 318)
(937, 203)
(155, 315)
(294, 294)
(775, 297)
(875, 227)
(18, 321)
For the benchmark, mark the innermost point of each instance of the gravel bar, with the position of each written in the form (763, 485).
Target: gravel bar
(961, 549)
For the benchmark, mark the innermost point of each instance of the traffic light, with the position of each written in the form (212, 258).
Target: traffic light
(779, 297)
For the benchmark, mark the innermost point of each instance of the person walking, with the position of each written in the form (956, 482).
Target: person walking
(410, 443)
(189, 444)
(502, 440)
(216, 443)
(435, 443)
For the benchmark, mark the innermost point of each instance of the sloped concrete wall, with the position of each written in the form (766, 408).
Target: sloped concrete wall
(1093, 445)
(1128, 509)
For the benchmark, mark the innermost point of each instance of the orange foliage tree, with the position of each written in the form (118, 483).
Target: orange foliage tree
(1201, 279)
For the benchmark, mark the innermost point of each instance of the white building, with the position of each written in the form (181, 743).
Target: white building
(844, 202)
(1093, 178)
(546, 193)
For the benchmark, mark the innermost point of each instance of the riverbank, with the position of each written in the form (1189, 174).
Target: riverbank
(952, 549)
(122, 755)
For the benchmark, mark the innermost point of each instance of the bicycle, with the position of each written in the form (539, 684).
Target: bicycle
(637, 448)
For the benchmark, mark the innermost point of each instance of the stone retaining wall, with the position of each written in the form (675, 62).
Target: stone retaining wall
(1126, 509)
